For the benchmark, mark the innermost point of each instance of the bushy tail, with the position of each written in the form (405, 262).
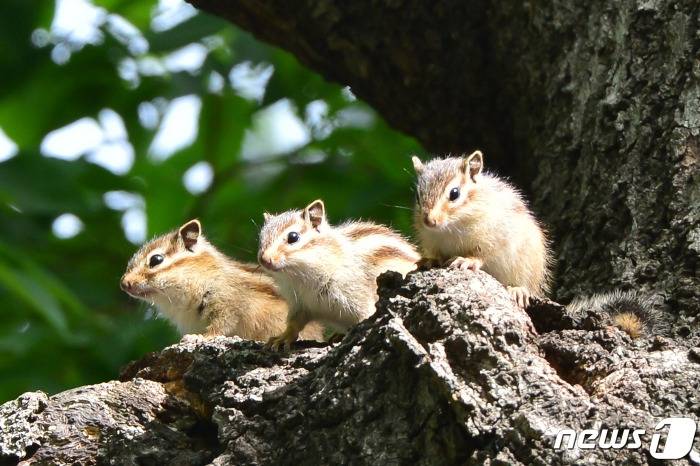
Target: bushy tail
(630, 311)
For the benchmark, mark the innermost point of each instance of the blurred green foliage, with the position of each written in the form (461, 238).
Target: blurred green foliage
(64, 320)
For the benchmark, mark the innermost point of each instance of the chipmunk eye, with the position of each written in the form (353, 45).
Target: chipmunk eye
(292, 237)
(155, 260)
(454, 194)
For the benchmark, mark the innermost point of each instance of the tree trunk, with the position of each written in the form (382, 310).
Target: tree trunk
(448, 371)
(592, 107)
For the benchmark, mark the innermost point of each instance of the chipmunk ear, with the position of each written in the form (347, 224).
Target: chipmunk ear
(266, 216)
(189, 232)
(315, 213)
(473, 164)
(417, 164)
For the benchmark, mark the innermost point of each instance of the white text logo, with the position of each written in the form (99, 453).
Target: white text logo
(679, 440)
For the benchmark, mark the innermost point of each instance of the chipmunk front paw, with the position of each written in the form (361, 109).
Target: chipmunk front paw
(283, 341)
(466, 263)
(520, 295)
(427, 263)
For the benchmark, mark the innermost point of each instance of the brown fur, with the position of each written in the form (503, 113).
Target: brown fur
(251, 268)
(202, 290)
(630, 323)
(385, 253)
(263, 288)
(202, 261)
(358, 230)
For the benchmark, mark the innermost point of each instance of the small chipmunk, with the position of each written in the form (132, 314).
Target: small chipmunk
(470, 219)
(328, 273)
(474, 220)
(201, 290)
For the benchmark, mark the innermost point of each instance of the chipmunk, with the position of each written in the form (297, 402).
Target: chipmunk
(328, 273)
(469, 219)
(201, 290)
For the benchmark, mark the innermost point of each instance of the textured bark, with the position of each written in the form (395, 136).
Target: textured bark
(592, 107)
(447, 371)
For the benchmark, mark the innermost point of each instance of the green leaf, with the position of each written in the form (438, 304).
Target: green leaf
(35, 296)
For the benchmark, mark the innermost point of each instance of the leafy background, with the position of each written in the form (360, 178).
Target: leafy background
(121, 119)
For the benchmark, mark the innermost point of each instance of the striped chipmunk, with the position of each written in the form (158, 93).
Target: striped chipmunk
(470, 219)
(328, 273)
(201, 290)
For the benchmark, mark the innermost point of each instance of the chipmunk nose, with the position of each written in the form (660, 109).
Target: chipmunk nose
(428, 220)
(265, 261)
(125, 285)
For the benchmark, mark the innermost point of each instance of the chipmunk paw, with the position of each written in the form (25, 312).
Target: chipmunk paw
(520, 295)
(466, 263)
(427, 263)
(283, 341)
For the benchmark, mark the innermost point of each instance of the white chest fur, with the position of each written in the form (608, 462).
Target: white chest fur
(181, 312)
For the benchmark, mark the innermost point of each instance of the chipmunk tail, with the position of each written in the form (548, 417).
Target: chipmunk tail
(630, 311)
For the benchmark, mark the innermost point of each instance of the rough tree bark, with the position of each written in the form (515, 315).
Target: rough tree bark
(592, 107)
(447, 371)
